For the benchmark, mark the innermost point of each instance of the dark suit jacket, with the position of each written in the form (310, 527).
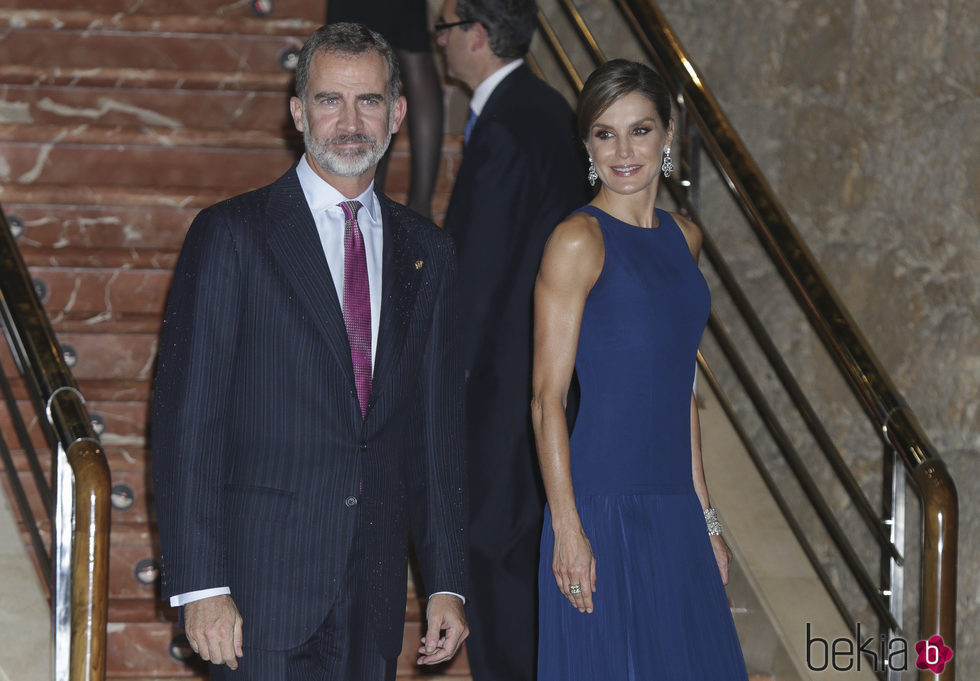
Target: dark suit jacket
(263, 469)
(523, 171)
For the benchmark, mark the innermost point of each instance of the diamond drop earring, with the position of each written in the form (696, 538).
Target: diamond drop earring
(668, 165)
(593, 175)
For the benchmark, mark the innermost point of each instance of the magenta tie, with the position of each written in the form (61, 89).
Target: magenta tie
(357, 302)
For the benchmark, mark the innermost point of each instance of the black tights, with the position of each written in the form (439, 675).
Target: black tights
(424, 93)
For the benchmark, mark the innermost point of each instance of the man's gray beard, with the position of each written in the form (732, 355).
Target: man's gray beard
(351, 164)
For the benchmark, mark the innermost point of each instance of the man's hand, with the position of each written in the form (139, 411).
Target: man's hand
(214, 630)
(446, 629)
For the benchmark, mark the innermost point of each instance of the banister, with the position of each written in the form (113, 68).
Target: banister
(799, 469)
(826, 314)
(583, 30)
(755, 326)
(90, 561)
(841, 337)
(560, 54)
(55, 395)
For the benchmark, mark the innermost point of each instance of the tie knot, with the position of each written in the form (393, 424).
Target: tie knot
(350, 209)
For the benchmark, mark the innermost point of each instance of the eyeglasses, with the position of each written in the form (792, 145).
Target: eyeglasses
(442, 25)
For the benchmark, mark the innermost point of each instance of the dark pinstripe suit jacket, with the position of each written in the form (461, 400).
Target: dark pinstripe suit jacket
(259, 448)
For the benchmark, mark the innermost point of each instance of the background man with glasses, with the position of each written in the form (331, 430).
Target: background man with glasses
(522, 172)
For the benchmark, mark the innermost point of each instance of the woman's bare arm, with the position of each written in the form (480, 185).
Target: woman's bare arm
(570, 267)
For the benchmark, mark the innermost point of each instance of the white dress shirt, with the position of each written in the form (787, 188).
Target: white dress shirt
(483, 91)
(324, 201)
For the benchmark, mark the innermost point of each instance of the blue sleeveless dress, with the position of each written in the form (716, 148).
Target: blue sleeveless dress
(660, 608)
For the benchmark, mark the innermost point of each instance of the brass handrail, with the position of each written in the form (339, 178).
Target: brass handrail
(560, 54)
(829, 318)
(827, 315)
(583, 30)
(57, 401)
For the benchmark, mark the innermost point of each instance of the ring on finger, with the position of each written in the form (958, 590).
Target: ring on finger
(574, 588)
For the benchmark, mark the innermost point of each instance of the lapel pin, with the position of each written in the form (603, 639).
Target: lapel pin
(418, 264)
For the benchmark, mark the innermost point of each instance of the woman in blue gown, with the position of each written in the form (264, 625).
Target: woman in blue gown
(620, 300)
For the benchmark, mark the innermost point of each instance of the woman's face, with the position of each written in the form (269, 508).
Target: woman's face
(626, 144)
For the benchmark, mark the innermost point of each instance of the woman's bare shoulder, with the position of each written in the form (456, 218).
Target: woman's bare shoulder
(575, 248)
(578, 233)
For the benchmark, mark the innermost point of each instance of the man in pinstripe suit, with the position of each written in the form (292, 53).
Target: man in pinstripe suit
(308, 403)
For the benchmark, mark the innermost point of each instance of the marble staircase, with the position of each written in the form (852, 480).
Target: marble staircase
(118, 122)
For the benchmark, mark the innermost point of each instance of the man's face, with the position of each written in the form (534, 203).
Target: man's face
(454, 42)
(346, 116)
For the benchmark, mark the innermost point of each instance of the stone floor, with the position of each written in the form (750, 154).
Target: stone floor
(24, 615)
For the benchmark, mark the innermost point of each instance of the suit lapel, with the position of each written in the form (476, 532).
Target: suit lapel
(294, 242)
(401, 265)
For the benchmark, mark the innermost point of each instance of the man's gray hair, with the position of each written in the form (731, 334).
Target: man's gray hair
(346, 38)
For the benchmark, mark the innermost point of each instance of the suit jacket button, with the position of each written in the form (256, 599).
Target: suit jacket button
(351, 502)
(364, 446)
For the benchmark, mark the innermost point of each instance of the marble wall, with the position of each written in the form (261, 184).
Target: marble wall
(864, 117)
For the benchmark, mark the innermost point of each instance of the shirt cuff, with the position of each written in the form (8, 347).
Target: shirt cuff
(191, 596)
(451, 593)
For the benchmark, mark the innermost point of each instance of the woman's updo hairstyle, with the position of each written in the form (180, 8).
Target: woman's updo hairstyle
(614, 79)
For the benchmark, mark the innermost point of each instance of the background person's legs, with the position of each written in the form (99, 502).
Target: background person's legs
(425, 120)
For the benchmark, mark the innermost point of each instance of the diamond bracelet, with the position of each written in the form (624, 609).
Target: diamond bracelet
(711, 520)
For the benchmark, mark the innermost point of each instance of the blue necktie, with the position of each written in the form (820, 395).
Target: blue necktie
(470, 122)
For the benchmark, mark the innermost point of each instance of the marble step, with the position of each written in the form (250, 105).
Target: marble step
(125, 427)
(90, 217)
(96, 290)
(218, 163)
(138, 481)
(92, 258)
(93, 21)
(55, 161)
(97, 389)
(125, 424)
(122, 534)
(132, 462)
(22, 72)
(177, 108)
(145, 136)
(281, 9)
(94, 217)
(141, 609)
(101, 356)
(93, 196)
(115, 322)
(99, 217)
(87, 40)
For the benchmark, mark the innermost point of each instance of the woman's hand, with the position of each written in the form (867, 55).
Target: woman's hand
(723, 556)
(574, 566)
